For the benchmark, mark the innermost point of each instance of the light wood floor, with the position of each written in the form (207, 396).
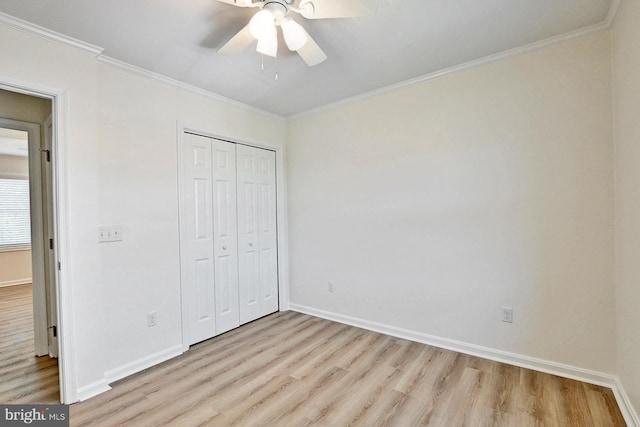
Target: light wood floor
(24, 378)
(290, 369)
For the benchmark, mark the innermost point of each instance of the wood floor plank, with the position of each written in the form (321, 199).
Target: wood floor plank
(291, 369)
(598, 408)
(320, 388)
(419, 371)
(24, 378)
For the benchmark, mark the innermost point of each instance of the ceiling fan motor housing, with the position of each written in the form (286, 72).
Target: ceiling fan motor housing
(264, 24)
(278, 8)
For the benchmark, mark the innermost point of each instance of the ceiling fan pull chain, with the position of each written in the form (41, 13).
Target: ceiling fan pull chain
(276, 59)
(262, 62)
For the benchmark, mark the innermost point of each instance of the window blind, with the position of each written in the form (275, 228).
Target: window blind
(15, 214)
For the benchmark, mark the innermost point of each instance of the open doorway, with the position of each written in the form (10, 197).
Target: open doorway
(28, 295)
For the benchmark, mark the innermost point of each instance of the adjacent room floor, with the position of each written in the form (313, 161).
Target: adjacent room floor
(24, 378)
(290, 369)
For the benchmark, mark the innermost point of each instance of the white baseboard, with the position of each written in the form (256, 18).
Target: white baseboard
(15, 282)
(627, 409)
(559, 369)
(93, 389)
(142, 364)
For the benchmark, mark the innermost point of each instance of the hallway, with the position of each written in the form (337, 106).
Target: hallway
(24, 378)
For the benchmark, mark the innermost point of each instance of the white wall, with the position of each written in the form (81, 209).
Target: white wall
(626, 66)
(16, 106)
(432, 206)
(15, 267)
(23, 108)
(122, 167)
(14, 166)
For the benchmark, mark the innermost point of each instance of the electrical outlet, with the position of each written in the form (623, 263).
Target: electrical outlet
(330, 287)
(152, 318)
(507, 314)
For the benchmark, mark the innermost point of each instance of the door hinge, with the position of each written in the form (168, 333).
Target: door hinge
(54, 330)
(50, 243)
(48, 154)
(59, 266)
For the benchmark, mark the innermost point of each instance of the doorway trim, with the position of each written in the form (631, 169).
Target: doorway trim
(38, 280)
(58, 97)
(281, 211)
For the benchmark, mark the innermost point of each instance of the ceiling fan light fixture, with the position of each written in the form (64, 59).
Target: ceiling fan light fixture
(294, 35)
(268, 43)
(262, 24)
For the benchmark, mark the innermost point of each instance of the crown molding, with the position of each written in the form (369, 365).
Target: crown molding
(458, 68)
(44, 33)
(603, 26)
(185, 86)
(25, 26)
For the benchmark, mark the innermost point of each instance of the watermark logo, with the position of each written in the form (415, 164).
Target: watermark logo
(34, 415)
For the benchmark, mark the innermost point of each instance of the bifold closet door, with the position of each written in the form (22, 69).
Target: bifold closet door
(198, 257)
(225, 236)
(211, 237)
(257, 238)
(229, 244)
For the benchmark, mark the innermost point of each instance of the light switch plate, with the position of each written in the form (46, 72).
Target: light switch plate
(112, 233)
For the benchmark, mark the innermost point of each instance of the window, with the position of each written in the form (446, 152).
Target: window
(15, 214)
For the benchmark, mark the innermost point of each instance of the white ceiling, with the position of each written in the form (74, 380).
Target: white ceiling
(405, 39)
(13, 143)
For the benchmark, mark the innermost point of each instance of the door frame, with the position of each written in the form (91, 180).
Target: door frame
(48, 200)
(281, 212)
(38, 281)
(58, 97)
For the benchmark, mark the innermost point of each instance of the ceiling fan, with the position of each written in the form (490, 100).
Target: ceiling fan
(275, 13)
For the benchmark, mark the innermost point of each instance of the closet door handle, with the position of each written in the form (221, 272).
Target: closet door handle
(250, 244)
(224, 248)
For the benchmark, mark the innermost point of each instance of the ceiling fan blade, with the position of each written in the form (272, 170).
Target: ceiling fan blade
(324, 9)
(238, 43)
(239, 3)
(311, 52)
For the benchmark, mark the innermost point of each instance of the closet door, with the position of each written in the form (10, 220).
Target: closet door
(257, 243)
(198, 240)
(225, 236)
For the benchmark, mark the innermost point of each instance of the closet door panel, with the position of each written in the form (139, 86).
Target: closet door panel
(256, 233)
(248, 261)
(230, 253)
(225, 236)
(198, 223)
(268, 231)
